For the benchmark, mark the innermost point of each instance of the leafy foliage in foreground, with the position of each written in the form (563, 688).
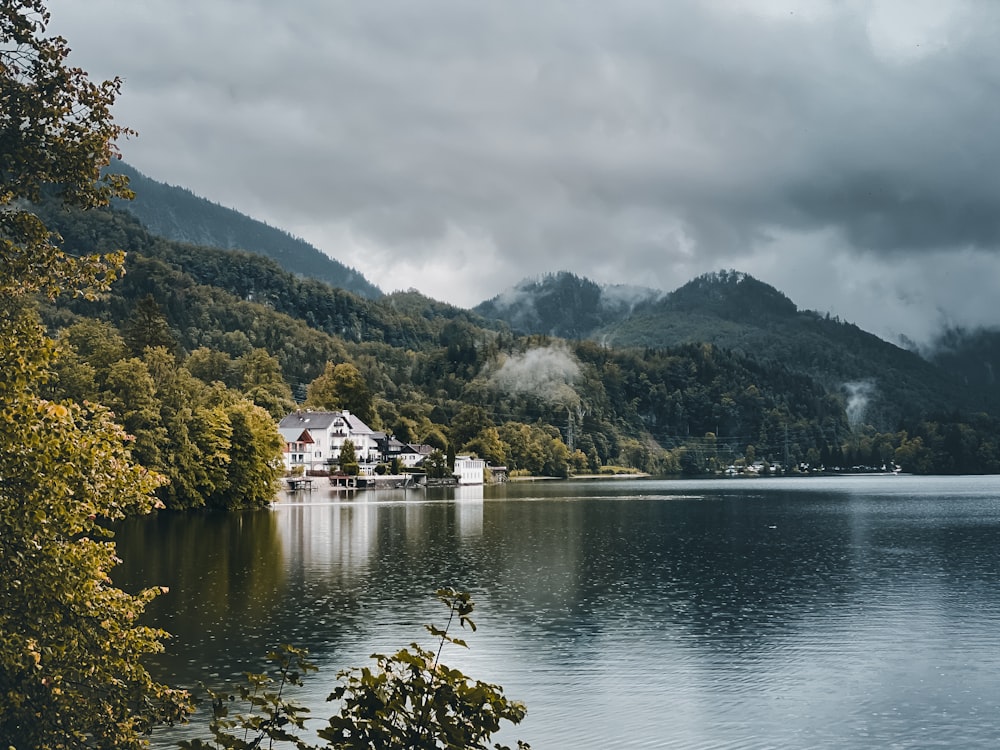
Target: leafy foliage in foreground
(409, 701)
(71, 651)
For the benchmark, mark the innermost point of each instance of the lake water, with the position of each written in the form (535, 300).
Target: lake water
(849, 612)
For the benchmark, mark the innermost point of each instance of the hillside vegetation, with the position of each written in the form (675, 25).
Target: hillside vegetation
(178, 214)
(724, 372)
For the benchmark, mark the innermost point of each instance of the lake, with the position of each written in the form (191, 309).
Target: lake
(846, 612)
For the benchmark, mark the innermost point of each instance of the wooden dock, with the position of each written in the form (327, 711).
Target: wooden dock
(376, 482)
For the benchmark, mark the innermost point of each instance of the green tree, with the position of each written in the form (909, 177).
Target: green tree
(436, 465)
(261, 380)
(254, 466)
(912, 455)
(405, 429)
(435, 438)
(488, 445)
(198, 433)
(97, 342)
(348, 459)
(148, 327)
(57, 134)
(467, 423)
(71, 651)
(342, 387)
(210, 365)
(524, 451)
(131, 394)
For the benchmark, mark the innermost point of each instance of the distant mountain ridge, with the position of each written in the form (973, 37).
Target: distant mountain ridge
(730, 294)
(737, 312)
(566, 305)
(563, 304)
(729, 309)
(176, 213)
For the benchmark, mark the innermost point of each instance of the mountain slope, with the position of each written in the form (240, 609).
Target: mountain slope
(971, 356)
(563, 305)
(429, 366)
(735, 311)
(740, 313)
(178, 214)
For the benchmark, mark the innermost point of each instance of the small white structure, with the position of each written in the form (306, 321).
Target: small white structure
(469, 470)
(313, 439)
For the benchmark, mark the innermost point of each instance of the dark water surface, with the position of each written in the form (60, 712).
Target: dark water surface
(854, 612)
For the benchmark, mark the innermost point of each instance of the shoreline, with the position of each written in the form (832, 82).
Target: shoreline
(539, 478)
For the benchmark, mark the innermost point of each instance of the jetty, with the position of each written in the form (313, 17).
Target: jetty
(377, 481)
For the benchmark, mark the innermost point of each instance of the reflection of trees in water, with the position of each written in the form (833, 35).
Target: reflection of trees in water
(225, 578)
(315, 575)
(324, 575)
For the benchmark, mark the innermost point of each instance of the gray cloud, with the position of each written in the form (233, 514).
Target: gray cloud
(460, 147)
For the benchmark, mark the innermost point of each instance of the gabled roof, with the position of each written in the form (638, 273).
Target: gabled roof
(323, 420)
(295, 435)
(418, 448)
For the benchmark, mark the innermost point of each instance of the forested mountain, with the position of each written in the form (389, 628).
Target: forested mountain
(717, 391)
(737, 312)
(971, 356)
(564, 305)
(178, 214)
(205, 292)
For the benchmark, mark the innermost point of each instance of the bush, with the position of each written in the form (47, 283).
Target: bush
(409, 701)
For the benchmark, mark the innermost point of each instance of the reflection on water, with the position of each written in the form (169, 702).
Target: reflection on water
(847, 613)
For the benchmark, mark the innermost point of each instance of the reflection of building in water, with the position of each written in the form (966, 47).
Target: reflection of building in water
(330, 534)
(469, 510)
(468, 493)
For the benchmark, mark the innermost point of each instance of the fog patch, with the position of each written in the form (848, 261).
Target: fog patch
(859, 395)
(620, 297)
(518, 305)
(547, 373)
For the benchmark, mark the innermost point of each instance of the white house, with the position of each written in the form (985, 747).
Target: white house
(313, 439)
(408, 454)
(469, 470)
(413, 453)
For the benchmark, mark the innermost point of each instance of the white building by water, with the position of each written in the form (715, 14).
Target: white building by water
(470, 470)
(313, 439)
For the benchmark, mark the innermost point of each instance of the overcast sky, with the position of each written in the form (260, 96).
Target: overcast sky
(846, 152)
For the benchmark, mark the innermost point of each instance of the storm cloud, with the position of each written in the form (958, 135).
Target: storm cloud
(844, 152)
